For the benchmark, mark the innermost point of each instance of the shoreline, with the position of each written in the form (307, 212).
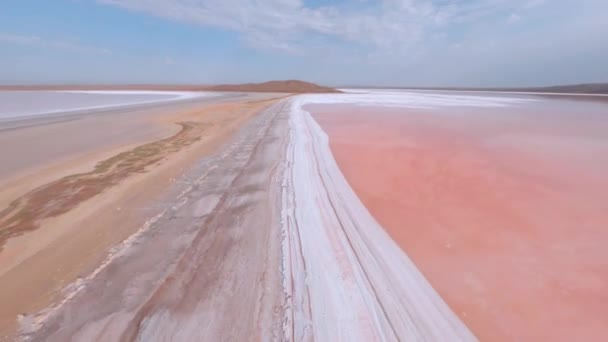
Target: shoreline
(216, 218)
(81, 110)
(54, 145)
(66, 249)
(377, 292)
(422, 90)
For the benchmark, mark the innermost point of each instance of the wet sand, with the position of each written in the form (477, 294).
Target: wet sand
(504, 210)
(35, 151)
(117, 183)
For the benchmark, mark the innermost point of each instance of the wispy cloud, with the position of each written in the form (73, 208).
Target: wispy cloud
(408, 42)
(282, 24)
(513, 18)
(30, 40)
(534, 3)
(19, 39)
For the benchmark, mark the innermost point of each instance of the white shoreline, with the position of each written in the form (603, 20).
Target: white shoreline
(414, 100)
(369, 90)
(346, 279)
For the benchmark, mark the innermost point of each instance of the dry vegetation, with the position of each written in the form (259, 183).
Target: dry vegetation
(56, 198)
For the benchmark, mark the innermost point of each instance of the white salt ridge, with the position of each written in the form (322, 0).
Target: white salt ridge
(344, 277)
(394, 98)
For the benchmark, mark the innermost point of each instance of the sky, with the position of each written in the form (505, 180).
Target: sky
(480, 43)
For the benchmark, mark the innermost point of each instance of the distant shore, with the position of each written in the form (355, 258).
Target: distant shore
(293, 86)
(289, 86)
(581, 89)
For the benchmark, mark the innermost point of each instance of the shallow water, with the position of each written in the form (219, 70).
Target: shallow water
(18, 104)
(502, 208)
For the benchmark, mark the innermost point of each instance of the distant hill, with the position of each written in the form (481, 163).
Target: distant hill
(591, 88)
(301, 87)
(290, 86)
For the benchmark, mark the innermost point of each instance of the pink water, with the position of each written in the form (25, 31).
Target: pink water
(505, 211)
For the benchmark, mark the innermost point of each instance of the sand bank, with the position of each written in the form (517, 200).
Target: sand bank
(102, 206)
(217, 230)
(36, 151)
(503, 209)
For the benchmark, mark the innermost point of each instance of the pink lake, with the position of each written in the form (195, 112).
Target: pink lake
(504, 210)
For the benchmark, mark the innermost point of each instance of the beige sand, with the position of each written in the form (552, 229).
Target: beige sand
(504, 212)
(70, 238)
(206, 267)
(37, 151)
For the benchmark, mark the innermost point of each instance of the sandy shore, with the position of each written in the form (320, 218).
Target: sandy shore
(502, 209)
(55, 145)
(90, 183)
(219, 258)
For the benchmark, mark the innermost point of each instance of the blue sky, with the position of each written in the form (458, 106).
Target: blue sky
(342, 42)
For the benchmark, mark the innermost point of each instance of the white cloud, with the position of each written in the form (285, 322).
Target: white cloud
(28, 40)
(513, 18)
(19, 39)
(284, 24)
(534, 3)
(391, 42)
(423, 42)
